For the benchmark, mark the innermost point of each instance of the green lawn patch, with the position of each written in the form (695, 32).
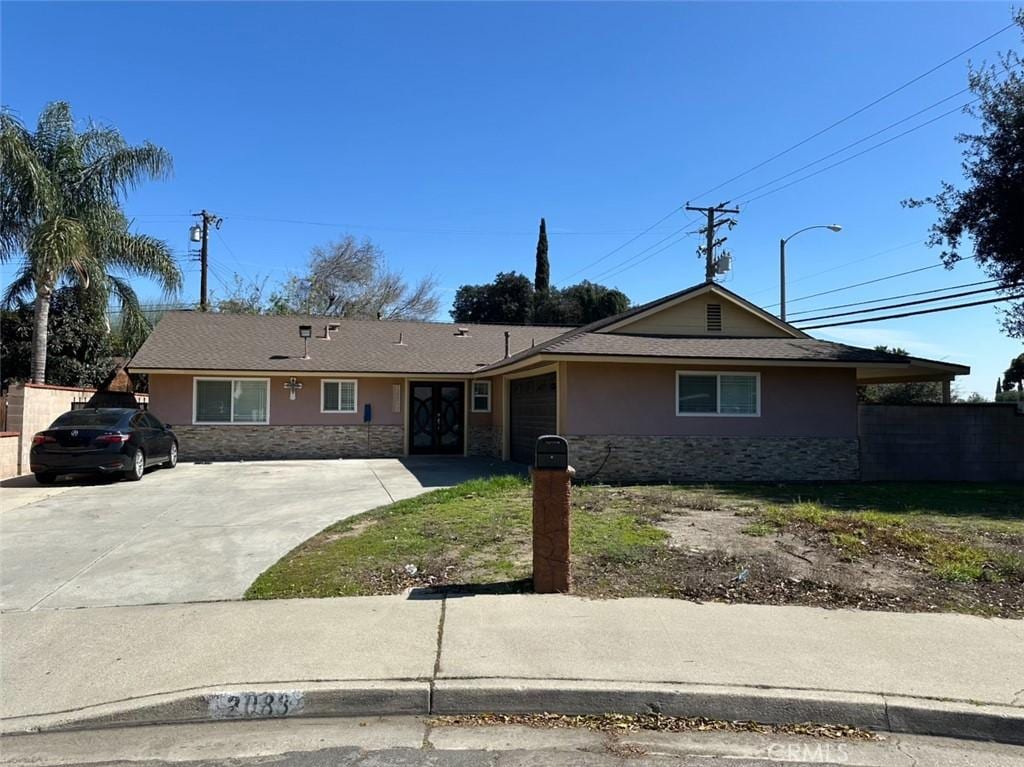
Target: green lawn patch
(477, 533)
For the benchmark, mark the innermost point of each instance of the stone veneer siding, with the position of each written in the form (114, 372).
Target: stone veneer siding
(232, 443)
(714, 459)
(484, 441)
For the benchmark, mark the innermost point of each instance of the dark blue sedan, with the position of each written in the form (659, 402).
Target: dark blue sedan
(121, 441)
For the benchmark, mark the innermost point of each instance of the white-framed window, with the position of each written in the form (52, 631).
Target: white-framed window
(481, 402)
(230, 400)
(716, 394)
(338, 396)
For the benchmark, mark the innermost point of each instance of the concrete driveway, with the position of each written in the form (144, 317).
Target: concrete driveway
(198, 533)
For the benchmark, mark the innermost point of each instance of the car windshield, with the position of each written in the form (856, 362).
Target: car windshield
(104, 419)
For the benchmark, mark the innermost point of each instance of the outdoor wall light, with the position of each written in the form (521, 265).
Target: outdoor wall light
(305, 333)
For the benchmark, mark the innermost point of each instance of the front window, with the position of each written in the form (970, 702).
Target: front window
(338, 396)
(232, 400)
(481, 396)
(718, 394)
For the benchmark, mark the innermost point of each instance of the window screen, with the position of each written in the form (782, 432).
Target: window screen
(339, 396)
(718, 394)
(738, 394)
(231, 401)
(698, 394)
(250, 402)
(213, 401)
(481, 396)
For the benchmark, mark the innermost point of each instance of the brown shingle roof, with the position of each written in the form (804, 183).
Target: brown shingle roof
(211, 341)
(703, 347)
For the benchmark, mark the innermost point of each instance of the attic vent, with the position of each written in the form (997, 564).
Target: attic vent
(461, 333)
(714, 318)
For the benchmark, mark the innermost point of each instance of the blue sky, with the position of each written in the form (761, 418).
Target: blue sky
(445, 131)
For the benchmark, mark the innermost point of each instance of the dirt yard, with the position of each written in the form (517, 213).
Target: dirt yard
(730, 546)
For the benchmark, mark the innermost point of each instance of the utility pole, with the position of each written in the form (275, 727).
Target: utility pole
(709, 231)
(204, 254)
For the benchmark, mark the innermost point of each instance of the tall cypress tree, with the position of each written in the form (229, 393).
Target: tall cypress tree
(542, 280)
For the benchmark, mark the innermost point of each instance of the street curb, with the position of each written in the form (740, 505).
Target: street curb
(883, 713)
(320, 699)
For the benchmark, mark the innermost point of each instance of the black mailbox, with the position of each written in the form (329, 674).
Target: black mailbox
(552, 452)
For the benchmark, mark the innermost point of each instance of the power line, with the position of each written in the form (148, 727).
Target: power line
(912, 314)
(871, 148)
(857, 111)
(616, 267)
(652, 255)
(841, 266)
(905, 303)
(631, 240)
(414, 230)
(851, 145)
(860, 284)
(893, 298)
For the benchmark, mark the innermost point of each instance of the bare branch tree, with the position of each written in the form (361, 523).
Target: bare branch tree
(350, 279)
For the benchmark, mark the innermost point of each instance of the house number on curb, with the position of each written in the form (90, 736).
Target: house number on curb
(254, 705)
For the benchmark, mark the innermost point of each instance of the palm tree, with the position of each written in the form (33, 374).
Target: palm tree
(60, 213)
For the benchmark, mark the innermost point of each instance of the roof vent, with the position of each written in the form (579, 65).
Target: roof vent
(714, 318)
(401, 339)
(461, 333)
(329, 328)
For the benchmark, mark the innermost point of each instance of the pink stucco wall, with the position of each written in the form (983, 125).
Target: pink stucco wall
(639, 399)
(487, 419)
(171, 401)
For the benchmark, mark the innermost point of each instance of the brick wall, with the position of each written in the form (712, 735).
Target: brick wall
(941, 442)
(713, 459)
(484, 441)
(231, 443)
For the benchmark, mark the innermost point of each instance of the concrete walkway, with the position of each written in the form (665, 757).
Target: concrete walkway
(930, 674)
(198, 533)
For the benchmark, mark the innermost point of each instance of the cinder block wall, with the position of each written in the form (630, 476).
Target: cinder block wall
(8, 454)
(974, 443)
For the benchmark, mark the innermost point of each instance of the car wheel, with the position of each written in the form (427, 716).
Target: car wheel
(172, 459)
(45, 478)
(134, 474)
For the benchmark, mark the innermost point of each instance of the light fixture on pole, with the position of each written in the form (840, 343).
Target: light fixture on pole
(782, 261)
(305, 333)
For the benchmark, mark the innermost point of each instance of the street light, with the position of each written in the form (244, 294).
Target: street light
(782, 262)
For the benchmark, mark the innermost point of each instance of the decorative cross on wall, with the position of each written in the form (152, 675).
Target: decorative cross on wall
(293, 387)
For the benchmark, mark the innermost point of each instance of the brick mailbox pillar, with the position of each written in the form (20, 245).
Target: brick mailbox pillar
(552, 501)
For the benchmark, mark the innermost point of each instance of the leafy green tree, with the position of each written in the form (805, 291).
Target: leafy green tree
(60, 214)
(589, 302)
(542, 279)
(1014, 375)
(512, 299)
(80, 350)
(509, 300)
(987, 215)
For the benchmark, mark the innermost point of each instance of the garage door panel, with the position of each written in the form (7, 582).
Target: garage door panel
(533, 408)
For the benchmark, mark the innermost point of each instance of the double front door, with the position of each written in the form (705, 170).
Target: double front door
(436, 417)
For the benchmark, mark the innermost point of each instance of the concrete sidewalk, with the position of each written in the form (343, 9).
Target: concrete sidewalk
(930, 674)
